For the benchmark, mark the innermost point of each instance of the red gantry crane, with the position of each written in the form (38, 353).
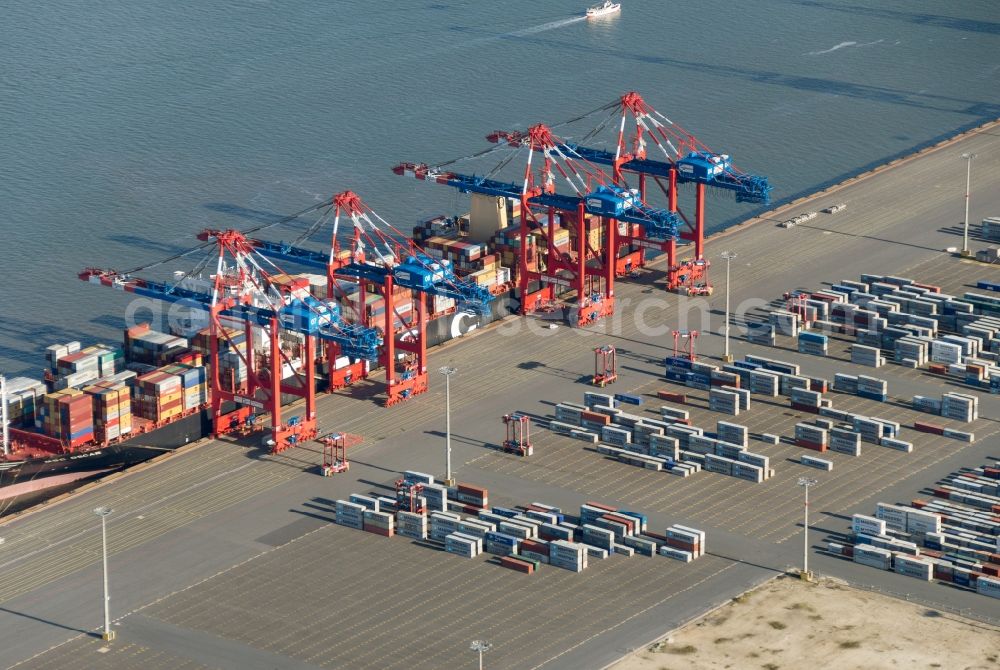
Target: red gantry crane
(247, 288)
(591, 214)
(685, 160)
(518, 439)
(383, 260)
(605, 365)
(335, 448)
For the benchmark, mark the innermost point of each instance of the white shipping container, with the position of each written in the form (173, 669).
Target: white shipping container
(893, 515)
(868, 525)
(988, 586)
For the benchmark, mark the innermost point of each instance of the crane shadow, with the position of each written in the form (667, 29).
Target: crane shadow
(917, 18)
(238, 211)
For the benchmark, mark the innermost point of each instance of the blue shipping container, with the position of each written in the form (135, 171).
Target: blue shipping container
(628, 398)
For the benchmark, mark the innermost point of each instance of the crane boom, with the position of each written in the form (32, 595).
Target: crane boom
(697, 167)
(608, 201)
(355, 341)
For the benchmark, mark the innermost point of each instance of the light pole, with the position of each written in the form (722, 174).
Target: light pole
(728, 255)
(3, 416)
(482, 646)
(806, 482)
(968, 184)
(447, 372)
(103, 512)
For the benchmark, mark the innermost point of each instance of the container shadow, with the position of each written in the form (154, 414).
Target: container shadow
(378, 485)
(959, 231)
(373, 466)
(318, 517)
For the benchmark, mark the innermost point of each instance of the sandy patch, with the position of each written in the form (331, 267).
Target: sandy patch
(789, 624)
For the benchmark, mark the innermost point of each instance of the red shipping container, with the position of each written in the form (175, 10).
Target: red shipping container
(384, 532)
(721, 382)
(671, 396)
(596, 417)
(535, 546)
(815, 446)
(805, 408)
(602, 506)
(472, 490)
(926, 427)
(678, 543)
(937, 369)
(628, 521)
(818, 385)
(517, 564)
(992, 473)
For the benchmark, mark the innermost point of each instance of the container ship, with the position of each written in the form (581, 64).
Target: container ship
(101, 408)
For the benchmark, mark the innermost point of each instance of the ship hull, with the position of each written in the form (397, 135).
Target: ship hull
(27, 482)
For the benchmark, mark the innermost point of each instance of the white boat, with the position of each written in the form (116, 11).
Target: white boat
(603, 10)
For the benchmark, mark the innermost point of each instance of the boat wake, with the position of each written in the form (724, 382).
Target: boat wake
(551, 25)
(843, 45)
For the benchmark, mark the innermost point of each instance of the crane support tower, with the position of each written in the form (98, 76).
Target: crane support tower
(518, 440)
(335, 452)
(687, 349)
(605, 365)
(409, 498)
(404, 275)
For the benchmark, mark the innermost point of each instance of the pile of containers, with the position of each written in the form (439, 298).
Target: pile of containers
(952, 537)
(112, 407)
(667, 444)
(955, 406)
(917, 323)
(869, 356)
(525, 537)
(159, 396)
(813, 343)
(864, 386)
(144, 345)
(67, 415)
(24, 396)
(784, 322)
(194, 384)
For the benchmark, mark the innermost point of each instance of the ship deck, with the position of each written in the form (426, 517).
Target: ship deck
(224, 556)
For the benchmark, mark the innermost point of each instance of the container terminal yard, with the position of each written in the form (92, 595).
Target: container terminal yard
(225, 555)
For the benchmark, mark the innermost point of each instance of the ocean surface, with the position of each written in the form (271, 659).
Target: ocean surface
(127, 126)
